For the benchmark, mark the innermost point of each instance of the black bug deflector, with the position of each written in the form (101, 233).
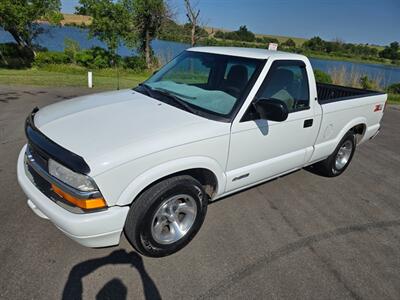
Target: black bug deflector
(50, 149)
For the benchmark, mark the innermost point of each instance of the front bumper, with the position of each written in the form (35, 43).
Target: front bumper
(96, 229)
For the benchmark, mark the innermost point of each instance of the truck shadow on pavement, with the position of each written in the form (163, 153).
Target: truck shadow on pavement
(113, 289)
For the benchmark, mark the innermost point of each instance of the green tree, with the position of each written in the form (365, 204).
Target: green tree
(322, 77)
(245, 35)
(147, 17)
(289, 43)
(315, 44)
(18, 18)
(110, 21)
(391, 51)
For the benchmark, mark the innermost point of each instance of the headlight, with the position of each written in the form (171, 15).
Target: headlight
(80, 182)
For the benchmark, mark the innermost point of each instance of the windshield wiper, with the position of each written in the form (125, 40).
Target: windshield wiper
(177, 100)
(150, 91)
(177, 94)
(147, 89)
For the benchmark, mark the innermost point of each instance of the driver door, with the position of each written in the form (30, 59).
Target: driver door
(261, 149)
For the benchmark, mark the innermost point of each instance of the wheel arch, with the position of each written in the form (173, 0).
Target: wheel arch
(359, 130)
(206, 170)
(358, 126)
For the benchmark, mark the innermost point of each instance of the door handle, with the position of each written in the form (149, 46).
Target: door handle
(308, 123)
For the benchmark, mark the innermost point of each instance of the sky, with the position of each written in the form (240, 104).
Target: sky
(355, 21)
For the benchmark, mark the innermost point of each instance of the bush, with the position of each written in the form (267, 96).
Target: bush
(269, 40)
(366, 83)
(219, 35)
(84, 58)
(394, 88)
(46, 58)
(96, 57)
(322, 77)
(134, 63)
(101, 62)
(394, 98)
(71, 48)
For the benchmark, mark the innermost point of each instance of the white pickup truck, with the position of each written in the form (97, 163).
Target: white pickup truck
(211, 122)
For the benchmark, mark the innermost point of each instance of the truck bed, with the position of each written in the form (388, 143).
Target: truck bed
(328, 93)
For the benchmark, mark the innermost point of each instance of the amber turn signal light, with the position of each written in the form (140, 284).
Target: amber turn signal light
(82, 203)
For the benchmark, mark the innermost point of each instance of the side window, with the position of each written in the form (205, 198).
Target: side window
(287, 81)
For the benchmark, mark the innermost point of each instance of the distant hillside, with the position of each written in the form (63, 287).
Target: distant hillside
(72, 19)
(299, 41)
(280, 38)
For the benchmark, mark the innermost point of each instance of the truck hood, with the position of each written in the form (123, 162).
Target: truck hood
(111, 128)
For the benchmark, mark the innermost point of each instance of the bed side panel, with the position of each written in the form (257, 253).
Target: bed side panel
(339, 117)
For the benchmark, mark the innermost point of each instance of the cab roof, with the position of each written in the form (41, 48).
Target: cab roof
(248, 52)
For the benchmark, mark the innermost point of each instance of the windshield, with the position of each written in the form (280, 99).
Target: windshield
(209, 82)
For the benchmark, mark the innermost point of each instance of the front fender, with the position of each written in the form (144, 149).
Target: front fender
(168, 168)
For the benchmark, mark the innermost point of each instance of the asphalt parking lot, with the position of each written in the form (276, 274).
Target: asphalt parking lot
(298, 237)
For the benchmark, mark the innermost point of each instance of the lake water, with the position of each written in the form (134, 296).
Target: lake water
(53, 39)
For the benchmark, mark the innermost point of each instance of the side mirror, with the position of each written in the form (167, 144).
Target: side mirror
(271, 109)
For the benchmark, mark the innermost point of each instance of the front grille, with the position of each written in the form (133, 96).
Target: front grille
(39, 156)
(43, 185)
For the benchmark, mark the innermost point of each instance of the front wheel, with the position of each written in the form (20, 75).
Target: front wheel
(167, 216)
(340, 159)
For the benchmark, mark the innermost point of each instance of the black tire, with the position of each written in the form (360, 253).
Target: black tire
(139, 222)
(328, 167)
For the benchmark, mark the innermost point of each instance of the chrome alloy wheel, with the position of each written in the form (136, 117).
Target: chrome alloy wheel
(343, 155)
(173, 219)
